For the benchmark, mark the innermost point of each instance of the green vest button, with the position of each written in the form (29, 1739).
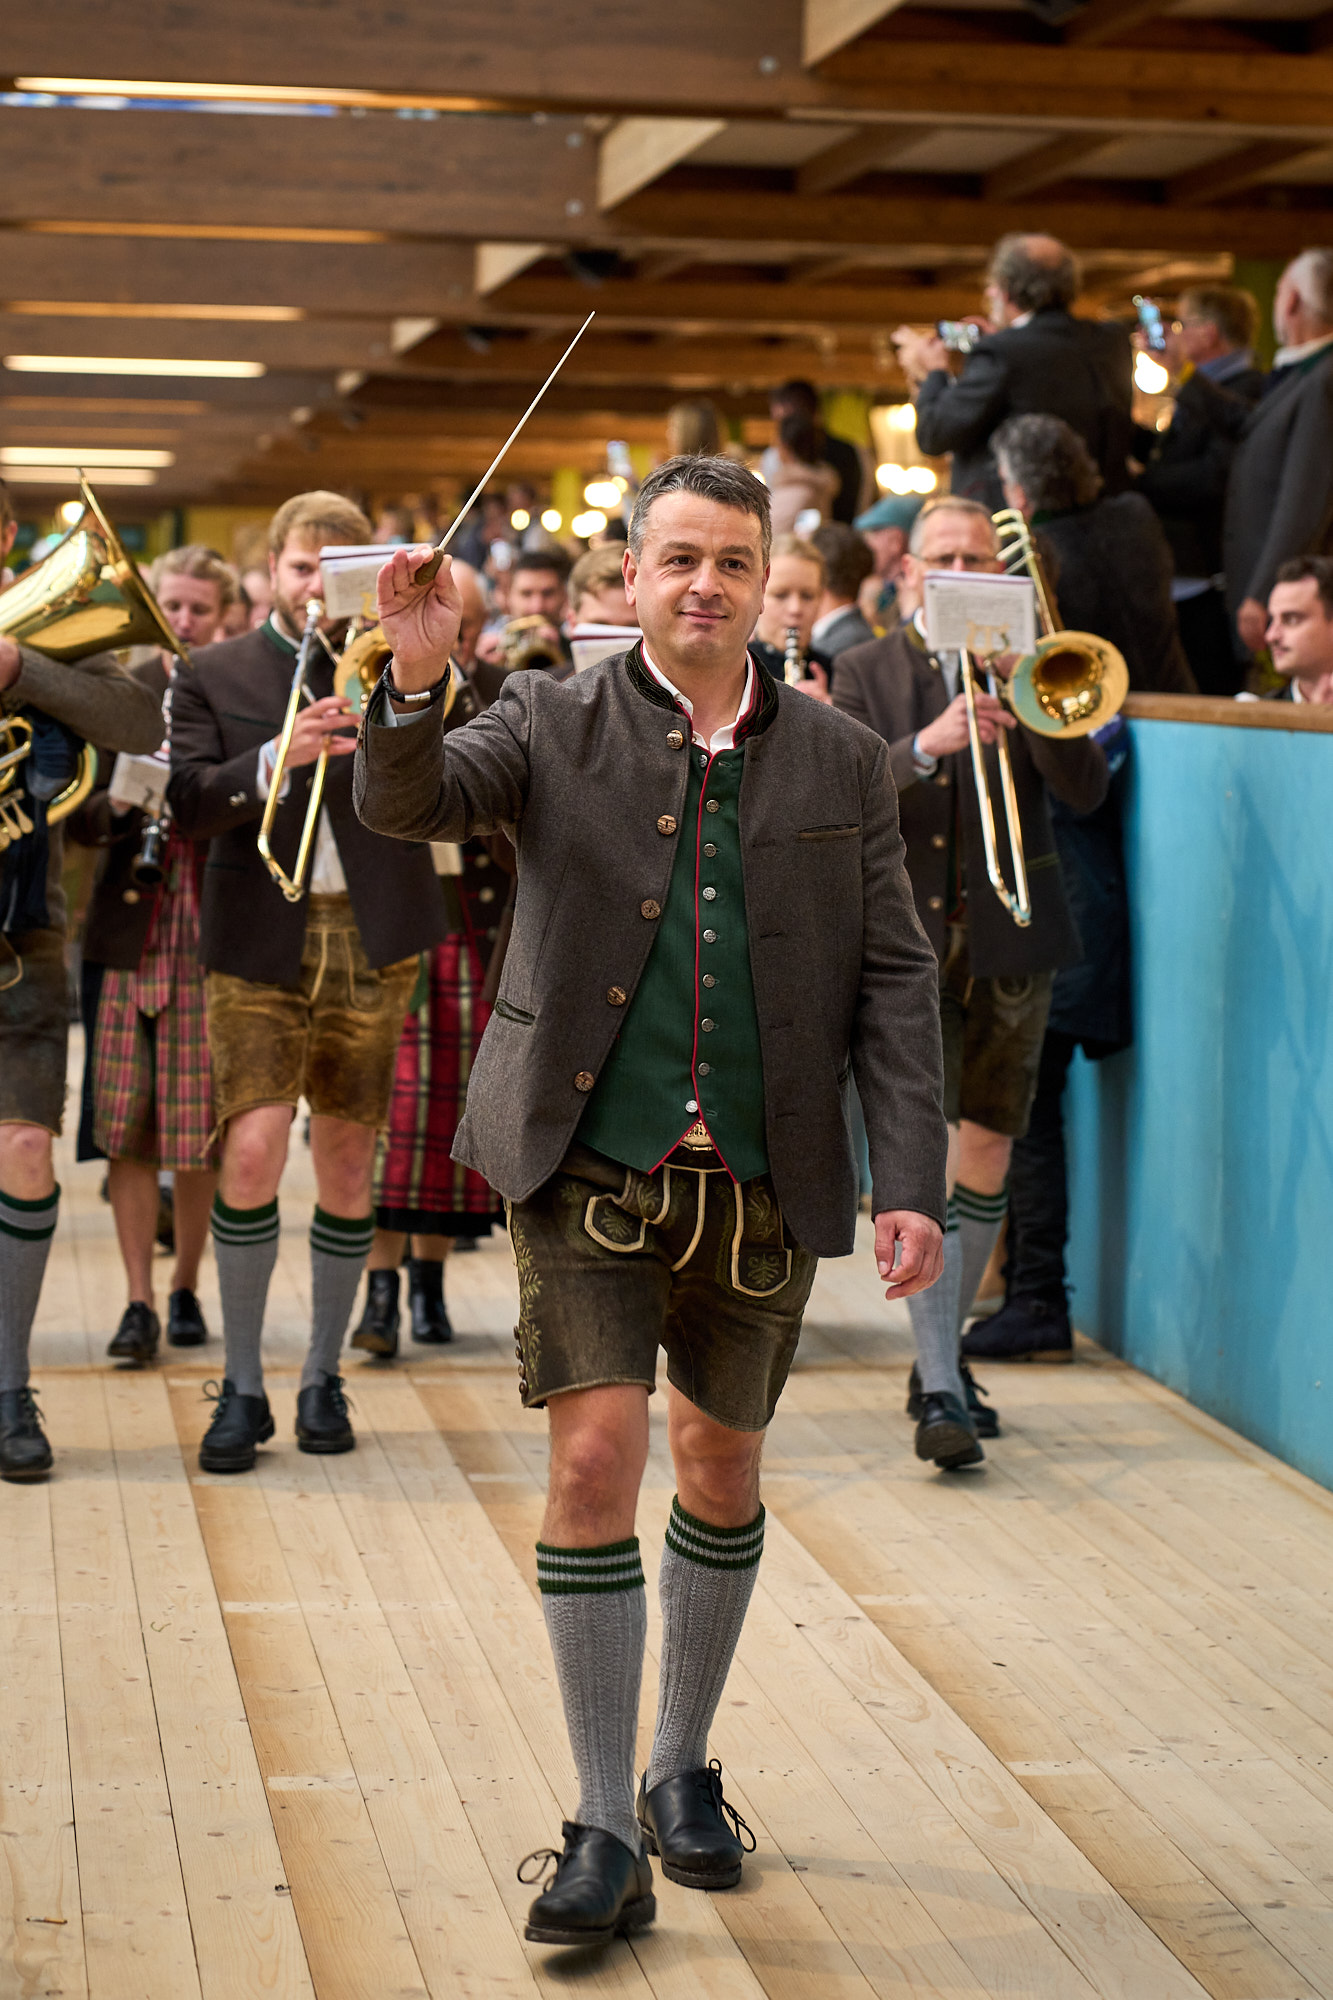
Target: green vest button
(707, 1026)
(710, 895)
(712, 806)
(703, 1069)
(710, 937)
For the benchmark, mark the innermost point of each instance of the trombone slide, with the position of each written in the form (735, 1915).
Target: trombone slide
(293, 885)
(1016, 900)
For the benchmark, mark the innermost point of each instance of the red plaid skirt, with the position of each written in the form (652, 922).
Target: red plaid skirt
(418, 1187)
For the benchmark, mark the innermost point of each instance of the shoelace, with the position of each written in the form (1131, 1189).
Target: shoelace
(545, 1863)
(30, 1417)
(970, 1381)
(341, 1402)
(713, 1779)
(220, 1393)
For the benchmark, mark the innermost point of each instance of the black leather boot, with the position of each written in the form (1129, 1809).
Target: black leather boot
(684, 1821)
(136, 1338)
(239, 1424)
(425, 1295)
(945, 1433)
(985, 1421)
(322, 1422)
(596, 1890)
(185, 1322)
(24, 1451)
(377, 1332)
(1022, 1330)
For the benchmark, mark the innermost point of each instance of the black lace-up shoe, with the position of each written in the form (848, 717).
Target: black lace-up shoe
(985, 1421)
(1022, 1330)
(595, 1891)
(239, 1424)
(684, 1821)
(136, 1338)
(24, 1451)
(185, 1322)
(944, 1433)
(425, 1293)
(322, 1422)
(378, 1330)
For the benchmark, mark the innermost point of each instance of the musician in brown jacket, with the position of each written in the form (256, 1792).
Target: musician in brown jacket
(306, 998)
(995, 977)
(713, 929)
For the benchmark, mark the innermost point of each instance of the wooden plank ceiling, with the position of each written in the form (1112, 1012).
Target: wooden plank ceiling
(397, 213)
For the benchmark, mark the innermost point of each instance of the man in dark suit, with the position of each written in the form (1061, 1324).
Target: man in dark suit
(305, 998)
(840, 622)
(1280, 495)
(1185, 467)
(713, 931)
(1034, 356)
(995, 977)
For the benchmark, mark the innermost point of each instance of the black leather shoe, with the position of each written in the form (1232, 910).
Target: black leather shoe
(684, 1821)
(985, 1421)
(425, 1295)
(1022, 1330)
(185, 1322)
(944, 1434)
(239, 1424)
(24, 1451)
(597, 1889)
(136, 1338)
(322, 1423)
(378, 1330)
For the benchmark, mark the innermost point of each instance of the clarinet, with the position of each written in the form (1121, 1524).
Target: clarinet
(148, 867)
(793, 660)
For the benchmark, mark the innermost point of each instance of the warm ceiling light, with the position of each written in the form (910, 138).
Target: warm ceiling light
(207, 232)
(71, 511)
(94, 456)
(520, 519)
(247, 93)
(59, 475)
(589, 524)
(108, 309)
(126, 364)
(1149, 375)
(602, 493)
(553, 520)
(107, 406)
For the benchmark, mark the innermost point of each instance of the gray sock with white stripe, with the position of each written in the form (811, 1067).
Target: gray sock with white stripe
(245, 1243)
(26, 1229)
(934, 1317)
(980, 1218)
(596, 1618)
(339, 1247)
(705, 1582)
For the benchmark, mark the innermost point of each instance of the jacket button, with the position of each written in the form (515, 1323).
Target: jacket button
(236, 799)
(942, 778)
(130, 896)
(650, 909)
(935, 903)
(711, 805)
(666, 824)
(938, 840)
(675, 741)
(616, 996)
(584, 1080)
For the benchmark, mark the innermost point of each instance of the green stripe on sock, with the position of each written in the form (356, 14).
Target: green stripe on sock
(974, 1207)
(950, 1215)
(575, 1572)
(716, 1548)
(341, 1235)
(239, 1227)
(29, 1221)
(30, 1207)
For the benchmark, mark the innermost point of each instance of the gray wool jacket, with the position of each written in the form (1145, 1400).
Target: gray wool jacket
(590, 778)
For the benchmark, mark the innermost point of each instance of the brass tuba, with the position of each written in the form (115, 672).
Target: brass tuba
(85, 596)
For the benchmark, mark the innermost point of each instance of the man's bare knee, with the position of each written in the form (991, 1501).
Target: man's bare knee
(599, 1443)
(717, 1470)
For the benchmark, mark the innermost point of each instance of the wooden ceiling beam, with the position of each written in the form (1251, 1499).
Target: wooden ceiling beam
(831, 24)
(627, 301)
(1235, 172)
(1099, 21)
(1046, 163)
(637, 151)
(865, 152)
(686, 363)
(306, 344)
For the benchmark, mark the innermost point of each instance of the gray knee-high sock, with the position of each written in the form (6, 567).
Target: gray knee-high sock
(705, 1582)
(596, 1619)
(245, 1243)
(979, 1219)
(26, 1229)
(339, 1247)
(934, 1316)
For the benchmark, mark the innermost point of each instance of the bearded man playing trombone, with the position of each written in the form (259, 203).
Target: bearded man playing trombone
(995, 977)
(306, 998)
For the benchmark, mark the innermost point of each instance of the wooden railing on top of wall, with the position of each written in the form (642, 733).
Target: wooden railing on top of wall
(1229, 714)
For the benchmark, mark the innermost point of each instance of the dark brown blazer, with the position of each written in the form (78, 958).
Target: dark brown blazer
(120, 911)
(896, 689)
(225, 706)
(592, 777)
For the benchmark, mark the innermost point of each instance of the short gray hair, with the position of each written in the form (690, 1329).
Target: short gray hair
(708, 478)
(1312, 275)
(1049, 461)
(947, 503)
(1032, 278)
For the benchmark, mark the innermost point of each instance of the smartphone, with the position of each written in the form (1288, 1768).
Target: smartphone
(958, 335)
(1150, 319)
(618, 461)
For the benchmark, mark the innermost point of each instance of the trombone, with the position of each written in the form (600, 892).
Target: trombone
(1068, 685)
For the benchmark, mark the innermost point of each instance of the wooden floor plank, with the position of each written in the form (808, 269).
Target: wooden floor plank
(351, 1926)
(245, 1931)
(41, 1922)
(136, 1923)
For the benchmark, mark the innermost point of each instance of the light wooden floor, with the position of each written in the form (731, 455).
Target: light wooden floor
(1059, 1730)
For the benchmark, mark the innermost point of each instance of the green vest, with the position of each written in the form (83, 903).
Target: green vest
(689, 1048)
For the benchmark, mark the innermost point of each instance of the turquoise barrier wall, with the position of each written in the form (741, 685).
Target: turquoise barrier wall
(1201, 1161)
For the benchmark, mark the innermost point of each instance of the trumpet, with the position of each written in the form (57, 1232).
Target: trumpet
(1068, 685)
(356, 670)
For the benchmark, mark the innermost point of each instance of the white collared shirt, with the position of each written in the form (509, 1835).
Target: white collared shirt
(1287, 357)
(725, 737)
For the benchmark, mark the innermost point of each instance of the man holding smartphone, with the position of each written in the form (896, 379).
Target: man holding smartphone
(304, 999)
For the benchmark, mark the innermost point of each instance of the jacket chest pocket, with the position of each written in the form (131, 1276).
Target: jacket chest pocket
(847, 832)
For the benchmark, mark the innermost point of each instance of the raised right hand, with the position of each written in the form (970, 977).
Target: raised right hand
(420, 620)
(314, 731)
(948, 732)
